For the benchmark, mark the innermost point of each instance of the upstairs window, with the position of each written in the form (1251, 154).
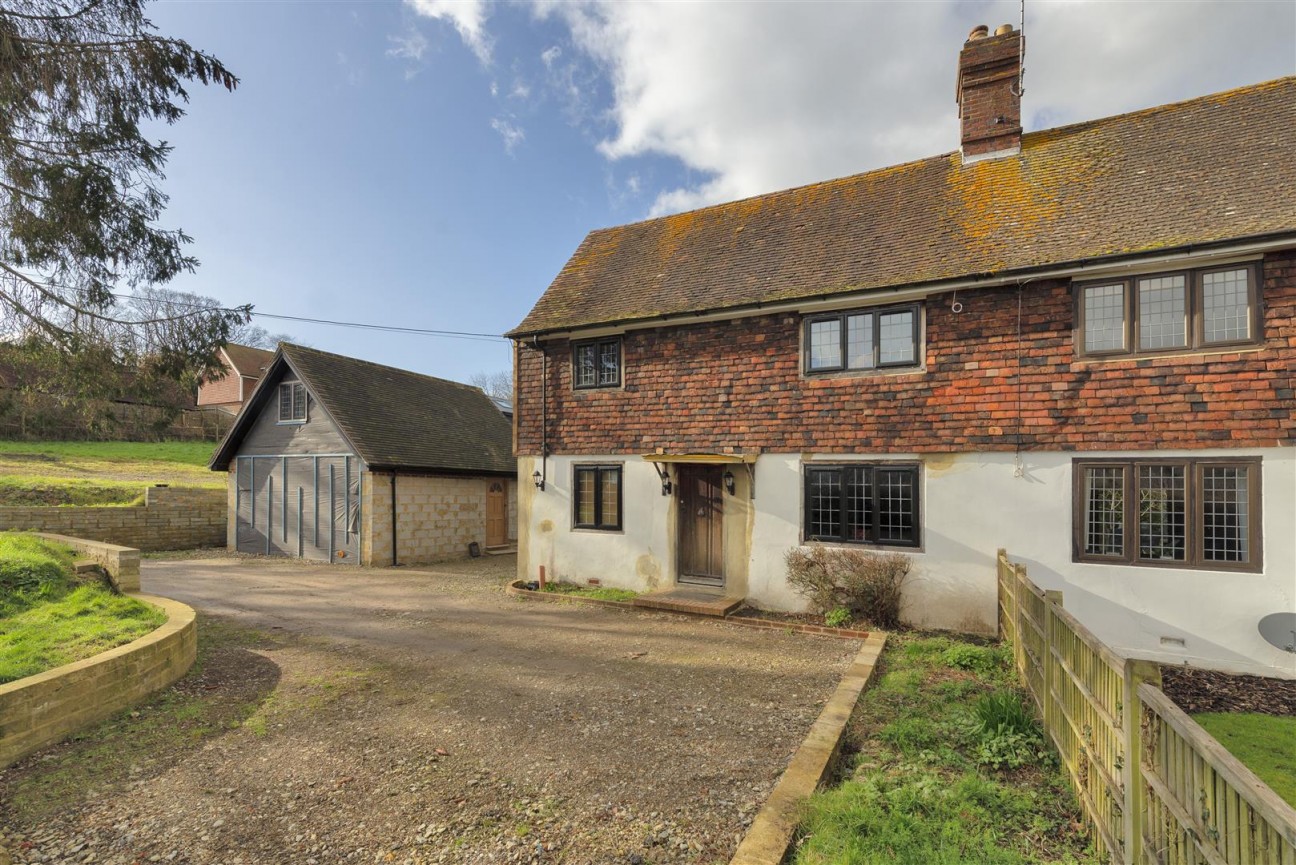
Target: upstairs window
(859, 503)
(1161, 313)
(1201, 514)
(596, 498)
(292, 402)
(862, 340)
(597, 364)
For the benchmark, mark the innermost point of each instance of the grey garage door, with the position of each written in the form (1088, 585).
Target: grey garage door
(300, 506)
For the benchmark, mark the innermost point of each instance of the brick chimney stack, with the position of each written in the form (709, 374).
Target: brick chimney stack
(989, 94)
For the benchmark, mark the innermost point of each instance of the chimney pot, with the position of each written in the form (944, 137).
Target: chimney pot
(1003, 29)
(980, 31)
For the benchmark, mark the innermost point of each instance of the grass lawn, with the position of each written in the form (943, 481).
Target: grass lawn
(99, 473)
(48, 619)
(597, 593)
(947, 767)
(1265, 744)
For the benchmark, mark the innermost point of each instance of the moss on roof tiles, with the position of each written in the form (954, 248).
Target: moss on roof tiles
(395, 418)
(1210, 169)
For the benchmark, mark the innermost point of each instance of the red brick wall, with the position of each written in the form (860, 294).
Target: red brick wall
(222, 391)
(738, 385)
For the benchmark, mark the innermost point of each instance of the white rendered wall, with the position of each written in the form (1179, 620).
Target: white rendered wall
(637, 557)
(971, 505)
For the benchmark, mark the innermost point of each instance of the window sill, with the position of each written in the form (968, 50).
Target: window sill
(862, 545)
(1181, 354)
(1203, 568)
(878, 372)
(290, 422)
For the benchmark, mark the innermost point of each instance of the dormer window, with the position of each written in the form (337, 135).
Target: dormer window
(292, 402)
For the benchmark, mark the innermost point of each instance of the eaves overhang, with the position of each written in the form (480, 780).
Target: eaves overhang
(1096, 265)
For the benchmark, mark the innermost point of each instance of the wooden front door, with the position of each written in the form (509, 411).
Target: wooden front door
(701, 525)
(496, 515)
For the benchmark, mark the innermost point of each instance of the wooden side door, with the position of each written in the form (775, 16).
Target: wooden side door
(701, 525)
(496, 515)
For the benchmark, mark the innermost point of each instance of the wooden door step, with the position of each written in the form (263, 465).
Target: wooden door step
(698, 601)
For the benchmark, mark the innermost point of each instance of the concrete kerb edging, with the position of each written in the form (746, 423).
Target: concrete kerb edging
(766, 842)
(515, 589)
(47, 707)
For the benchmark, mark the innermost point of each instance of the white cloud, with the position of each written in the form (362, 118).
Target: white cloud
(511, 133)
(757, 96)
(467, 16)
(410, 45)
(760, 96)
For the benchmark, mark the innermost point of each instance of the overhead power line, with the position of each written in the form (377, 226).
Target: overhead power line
(359, 325)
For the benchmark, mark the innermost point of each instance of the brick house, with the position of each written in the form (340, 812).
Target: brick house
(1077, 344)
(244, 366)
(342, 460)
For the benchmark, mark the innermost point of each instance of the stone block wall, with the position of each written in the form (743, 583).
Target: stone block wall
(42, 709)
(437, 517)
(171, 518)
(122, 564)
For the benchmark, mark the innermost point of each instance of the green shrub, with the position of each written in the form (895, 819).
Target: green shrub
(1007, 735)
(32, 565)
(867, 585)
(978, 659)
(837, 617)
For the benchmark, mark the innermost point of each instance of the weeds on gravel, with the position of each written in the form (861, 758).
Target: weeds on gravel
(928, 782)
(598, 594)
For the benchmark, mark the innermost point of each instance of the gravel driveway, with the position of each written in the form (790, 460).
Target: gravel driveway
(343, 715)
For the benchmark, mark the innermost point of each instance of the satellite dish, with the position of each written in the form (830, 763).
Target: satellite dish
(1279, 630)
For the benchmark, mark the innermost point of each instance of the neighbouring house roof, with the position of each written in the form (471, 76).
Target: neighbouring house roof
(1208, 170)
(247, 360)
(395, 419)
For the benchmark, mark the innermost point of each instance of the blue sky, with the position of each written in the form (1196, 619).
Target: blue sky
(432, 163)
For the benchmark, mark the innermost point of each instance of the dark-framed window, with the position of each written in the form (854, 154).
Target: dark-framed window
(596, 363)
(596, 497)
(862, 339)
(1159, 313)
(863, 503)
(1186, 513)
(292, 402)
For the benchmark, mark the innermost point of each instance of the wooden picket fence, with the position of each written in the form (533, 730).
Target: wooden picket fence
(1155, 787)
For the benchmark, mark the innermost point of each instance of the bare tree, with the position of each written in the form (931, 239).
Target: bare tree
(498, 385)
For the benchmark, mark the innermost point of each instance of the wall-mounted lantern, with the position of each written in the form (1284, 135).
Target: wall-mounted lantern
(538, 479)
(729, 482)
(664, 474)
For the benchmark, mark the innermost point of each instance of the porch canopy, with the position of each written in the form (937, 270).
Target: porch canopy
(702, 459)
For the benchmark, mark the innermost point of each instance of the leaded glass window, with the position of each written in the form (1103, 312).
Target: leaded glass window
(867, 503)
(862, 340)
(596, 497)
(596, 364)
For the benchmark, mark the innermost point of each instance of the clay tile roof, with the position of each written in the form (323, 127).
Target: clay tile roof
(396, 419)
(1212, 169)
(247, 360)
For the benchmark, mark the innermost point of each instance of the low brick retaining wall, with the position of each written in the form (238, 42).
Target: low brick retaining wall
(43, 709)
(516, 589)
(122, 564)
(171, 519)
(766, 842)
